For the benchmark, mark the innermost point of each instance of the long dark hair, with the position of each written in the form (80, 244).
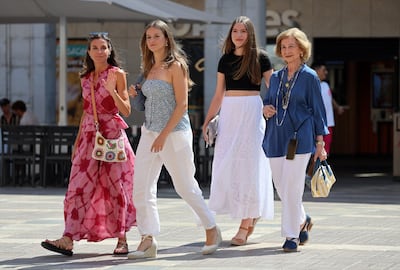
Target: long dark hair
(250, 52)
(88, 64)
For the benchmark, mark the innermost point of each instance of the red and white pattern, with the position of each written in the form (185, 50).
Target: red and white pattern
(99, 203)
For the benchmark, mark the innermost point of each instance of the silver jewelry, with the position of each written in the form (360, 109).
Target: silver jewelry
(285, 94)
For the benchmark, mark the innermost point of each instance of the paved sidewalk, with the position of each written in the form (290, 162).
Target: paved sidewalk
(357, 227)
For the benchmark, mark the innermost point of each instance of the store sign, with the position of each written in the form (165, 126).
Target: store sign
(275, 23)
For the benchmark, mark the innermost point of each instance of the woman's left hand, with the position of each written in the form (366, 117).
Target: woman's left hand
(111, 82)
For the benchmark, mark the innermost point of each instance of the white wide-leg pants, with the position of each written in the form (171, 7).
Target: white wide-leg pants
(178, 158)
(289, 177)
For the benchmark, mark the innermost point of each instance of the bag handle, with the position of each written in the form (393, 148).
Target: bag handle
(96, 120)
(319, 163)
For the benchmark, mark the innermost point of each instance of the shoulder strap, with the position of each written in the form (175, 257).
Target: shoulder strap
(96, 120)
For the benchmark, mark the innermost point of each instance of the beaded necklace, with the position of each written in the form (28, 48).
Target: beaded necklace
(285, 94)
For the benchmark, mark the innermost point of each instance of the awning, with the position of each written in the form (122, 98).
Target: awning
(50, 11)
(63, 11)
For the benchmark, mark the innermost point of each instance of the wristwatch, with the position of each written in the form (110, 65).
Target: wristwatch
(320, 143)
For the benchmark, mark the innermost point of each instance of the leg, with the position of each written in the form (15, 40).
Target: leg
(241, 236)
(182, 172)
(290, 187)
(147, 170)
(146, 249)
(122, 246)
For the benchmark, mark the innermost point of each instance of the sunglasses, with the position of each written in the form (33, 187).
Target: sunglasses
(98, 34)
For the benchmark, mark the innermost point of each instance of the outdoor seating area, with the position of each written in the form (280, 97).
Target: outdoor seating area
(41, 155)
(32, 154)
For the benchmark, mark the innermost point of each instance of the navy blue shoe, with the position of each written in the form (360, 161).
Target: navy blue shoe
(303, 236)
(290, 245)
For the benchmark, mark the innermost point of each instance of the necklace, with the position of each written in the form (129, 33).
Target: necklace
(285, 93)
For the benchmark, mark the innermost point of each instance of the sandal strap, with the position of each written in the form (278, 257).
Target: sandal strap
(122, 244)
(147, 236)
(244, 228)
(62, 243)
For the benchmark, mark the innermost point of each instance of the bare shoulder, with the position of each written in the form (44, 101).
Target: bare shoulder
(120, 72)
(176, 65)
(176, 68)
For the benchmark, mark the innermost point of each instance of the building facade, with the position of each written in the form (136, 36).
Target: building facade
(359, 40)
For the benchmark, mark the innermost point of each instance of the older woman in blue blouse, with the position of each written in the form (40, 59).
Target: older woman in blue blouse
(295, 128)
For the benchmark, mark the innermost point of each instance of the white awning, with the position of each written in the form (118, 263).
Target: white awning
(50, 11)
(64, 11)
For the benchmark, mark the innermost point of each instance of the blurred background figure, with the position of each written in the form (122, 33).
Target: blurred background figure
(8, 117)
(329, 103)
(26, 117)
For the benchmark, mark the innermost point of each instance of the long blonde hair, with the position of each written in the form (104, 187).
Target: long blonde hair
(250, 52)
(174, 51)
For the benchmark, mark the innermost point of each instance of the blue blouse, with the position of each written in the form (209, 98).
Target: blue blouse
(305, 113)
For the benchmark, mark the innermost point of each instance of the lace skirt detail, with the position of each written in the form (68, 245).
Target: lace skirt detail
(241, 184)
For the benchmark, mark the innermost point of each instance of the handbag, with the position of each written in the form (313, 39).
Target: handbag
(108, 150)
(212, 131)
(139, 99)
(322, 180)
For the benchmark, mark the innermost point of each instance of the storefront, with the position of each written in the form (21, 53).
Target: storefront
(360, 46)
(358, 40)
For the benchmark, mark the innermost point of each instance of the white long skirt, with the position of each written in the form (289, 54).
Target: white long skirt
(241, 183)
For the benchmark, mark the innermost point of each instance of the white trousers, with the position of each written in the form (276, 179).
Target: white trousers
(289, 177)
(178, 158)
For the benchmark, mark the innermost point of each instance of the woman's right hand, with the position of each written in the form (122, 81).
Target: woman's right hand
(132, 91)
(204, 131)
(269, 111)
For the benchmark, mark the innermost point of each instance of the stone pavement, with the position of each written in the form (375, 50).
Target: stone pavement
(357, 227)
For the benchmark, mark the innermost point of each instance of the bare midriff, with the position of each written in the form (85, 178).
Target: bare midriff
(239, 93)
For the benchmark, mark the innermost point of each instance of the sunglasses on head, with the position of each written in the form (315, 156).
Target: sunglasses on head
(98, 34)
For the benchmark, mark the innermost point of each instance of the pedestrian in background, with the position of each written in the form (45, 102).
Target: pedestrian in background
(166, 139)
(98, 203)
(26, 116)
(241, 183)
(295, 129)
(8, 117)
(329, 103)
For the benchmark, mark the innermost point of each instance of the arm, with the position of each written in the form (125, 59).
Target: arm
(268, 109)
(267, 75)
(77, 136)
(117, 87)
(338, 108)
(319, 119)
(216, 101)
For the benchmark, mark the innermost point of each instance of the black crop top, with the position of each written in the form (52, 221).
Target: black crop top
(229, 62)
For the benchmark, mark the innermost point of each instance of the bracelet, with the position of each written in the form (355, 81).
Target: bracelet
(320, 143)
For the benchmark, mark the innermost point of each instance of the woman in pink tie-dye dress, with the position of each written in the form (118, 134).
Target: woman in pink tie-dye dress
(99, 204)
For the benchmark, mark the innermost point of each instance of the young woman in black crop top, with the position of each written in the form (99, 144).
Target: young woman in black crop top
(241, 183)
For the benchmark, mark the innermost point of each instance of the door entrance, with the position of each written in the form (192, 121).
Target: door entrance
(363, 74)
